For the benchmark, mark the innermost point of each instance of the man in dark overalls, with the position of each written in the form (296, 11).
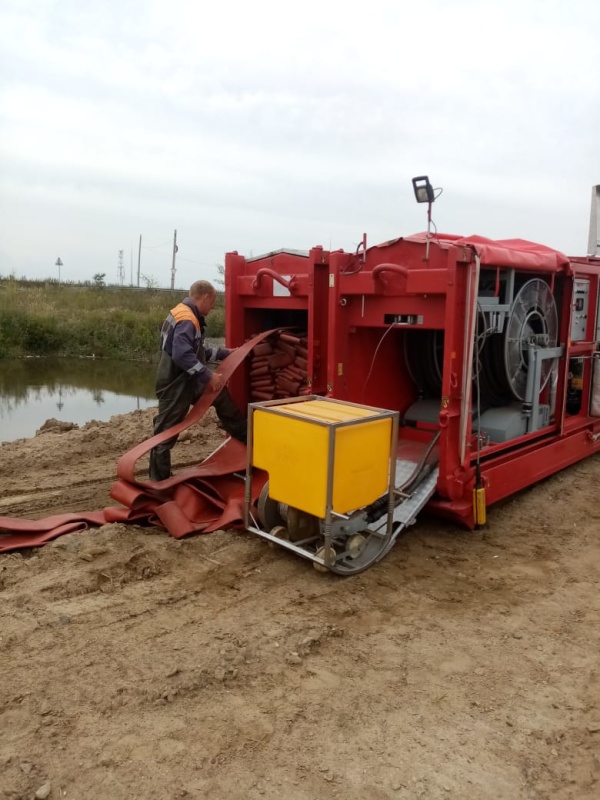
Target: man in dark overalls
(183, 376)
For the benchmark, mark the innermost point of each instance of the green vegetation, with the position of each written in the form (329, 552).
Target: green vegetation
(43, 318)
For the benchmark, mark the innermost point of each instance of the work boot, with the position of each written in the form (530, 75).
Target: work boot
(230, 417)
(160, 464)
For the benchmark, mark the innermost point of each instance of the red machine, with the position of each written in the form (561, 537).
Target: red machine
(487, 349)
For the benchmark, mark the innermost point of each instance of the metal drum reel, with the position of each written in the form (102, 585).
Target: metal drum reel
(533, 319)
(501, 358)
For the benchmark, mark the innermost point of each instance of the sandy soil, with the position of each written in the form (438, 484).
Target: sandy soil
(136, 666)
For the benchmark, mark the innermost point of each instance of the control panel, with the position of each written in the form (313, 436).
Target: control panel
(579, 316)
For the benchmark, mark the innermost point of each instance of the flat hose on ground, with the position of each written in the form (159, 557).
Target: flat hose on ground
(198, 500)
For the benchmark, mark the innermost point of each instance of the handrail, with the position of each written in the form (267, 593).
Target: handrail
(377, 270)
(288, 284)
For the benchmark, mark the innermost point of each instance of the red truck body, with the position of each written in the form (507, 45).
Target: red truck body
(490, 343)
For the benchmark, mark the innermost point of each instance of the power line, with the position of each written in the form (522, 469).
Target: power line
(181, 258)
(191, 260)
(155, 246)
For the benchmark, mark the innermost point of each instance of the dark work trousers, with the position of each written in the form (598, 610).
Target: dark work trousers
(174, 401)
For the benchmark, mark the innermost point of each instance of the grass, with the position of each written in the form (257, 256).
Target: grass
(44, 318)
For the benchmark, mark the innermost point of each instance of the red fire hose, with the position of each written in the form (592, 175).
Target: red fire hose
(201, 499)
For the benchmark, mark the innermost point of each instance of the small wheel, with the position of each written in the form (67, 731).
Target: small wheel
(280, 532)
(301, 524)
(321, 553)
(355, 545)
(268, 510)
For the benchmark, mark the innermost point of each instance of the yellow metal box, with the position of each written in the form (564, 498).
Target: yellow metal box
(323, 455)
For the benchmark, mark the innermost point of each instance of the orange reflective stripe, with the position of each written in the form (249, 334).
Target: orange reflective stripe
(183, 313)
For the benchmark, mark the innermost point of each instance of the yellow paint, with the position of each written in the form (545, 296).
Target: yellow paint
(479, 507)
(291, 442)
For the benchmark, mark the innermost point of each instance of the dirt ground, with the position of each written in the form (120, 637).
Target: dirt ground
(466, 665)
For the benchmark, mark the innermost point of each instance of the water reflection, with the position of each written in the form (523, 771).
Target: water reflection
(33, 390)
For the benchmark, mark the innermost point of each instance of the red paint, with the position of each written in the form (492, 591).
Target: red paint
(345, 301)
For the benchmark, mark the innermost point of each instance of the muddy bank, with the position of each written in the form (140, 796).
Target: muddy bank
(136, 666)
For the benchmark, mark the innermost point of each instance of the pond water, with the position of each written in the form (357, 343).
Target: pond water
(33, 390)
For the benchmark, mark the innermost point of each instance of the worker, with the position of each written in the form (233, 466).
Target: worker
(183, 374)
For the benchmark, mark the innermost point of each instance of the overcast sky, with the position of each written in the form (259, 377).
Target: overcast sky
(252, 126)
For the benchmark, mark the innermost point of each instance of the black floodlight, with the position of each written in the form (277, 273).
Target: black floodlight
(423, 189)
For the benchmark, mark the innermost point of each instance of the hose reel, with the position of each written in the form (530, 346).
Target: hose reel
(501, 359)
(533, 319)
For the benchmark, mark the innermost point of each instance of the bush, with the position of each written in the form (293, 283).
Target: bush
(45, 318)
(215, 322)
(42, 336)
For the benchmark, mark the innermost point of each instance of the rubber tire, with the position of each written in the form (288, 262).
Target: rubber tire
(268, 510)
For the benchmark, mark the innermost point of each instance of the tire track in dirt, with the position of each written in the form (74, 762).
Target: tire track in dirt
(462, 666)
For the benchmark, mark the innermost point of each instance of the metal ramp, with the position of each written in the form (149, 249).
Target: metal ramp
(411, 504)
(349, 544)
(381, 537)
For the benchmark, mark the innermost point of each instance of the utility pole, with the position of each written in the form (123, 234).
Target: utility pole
(121, 269)
(139, 259)
(594, 240)
(174, 254)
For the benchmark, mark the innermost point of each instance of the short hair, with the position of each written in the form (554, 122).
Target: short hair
(199, 288)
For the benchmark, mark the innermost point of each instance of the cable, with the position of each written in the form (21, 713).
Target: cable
(193, 261)
(479, 489)
(179, 258)
(422, 464)
(360, 262)
(435, 232)
(352, 271)
(155, 246)
(385, 333)
(377, 509)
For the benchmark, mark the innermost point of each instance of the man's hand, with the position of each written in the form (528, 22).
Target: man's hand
(216, 383)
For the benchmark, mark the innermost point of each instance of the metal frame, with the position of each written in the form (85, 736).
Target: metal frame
(348, 300)
(328, 535)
